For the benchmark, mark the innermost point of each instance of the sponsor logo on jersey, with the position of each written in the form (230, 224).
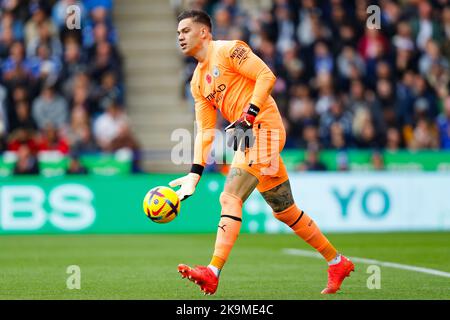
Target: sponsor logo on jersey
(240, 53)
(217, 93)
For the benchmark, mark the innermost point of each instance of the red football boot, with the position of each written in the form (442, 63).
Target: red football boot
(201, 276)
(337, 273)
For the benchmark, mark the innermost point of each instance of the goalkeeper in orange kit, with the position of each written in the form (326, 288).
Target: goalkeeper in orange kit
(230, 78)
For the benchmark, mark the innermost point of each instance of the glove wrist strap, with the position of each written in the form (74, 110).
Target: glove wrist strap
(197, 168)
(252, 110)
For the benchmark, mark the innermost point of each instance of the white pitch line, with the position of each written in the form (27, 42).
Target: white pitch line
(307, 253)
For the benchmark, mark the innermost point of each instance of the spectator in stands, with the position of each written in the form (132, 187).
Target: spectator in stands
(43, 66)
(404, 49)
(23, 119)
(384, 100)
(424, 136)
(359, 99)
(26, 161)
(439, 80)
(109, 89)
(16, 69)
(75, 166)
(337, 139)
(6, 41)
(342, 161)
(310, 136)
(100, 11)
(285, 26)
(325, 94)
(443, 123)
(81, 80)
(364, 131)
(307, 29)
(20, 8)
(446, 32)
(372, 46)
(79, 134)
(336, 126)
(3, 127)
(8, 22)
(312, 162)
(81, 100)
(295, 71)
(102, 33)
(85, 142)
(21, 137)
(50, 107)
(377, 160)
(431, 56)
(112, 133)
(393, 139)
(46, 37)
(346, 61)
(306, 118)
(110, 125)
(424, 27)
(73, 61)
(405, 98)
(51, 140)
(323, 61)
(38, 18)
(20, 93)
(103, 62)
(426, 95)
(223, 22)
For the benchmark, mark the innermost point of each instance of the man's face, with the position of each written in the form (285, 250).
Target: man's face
(190, 36)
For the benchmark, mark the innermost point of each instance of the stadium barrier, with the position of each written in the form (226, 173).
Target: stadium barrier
(361, 160)
(53, 164)
(337, 201)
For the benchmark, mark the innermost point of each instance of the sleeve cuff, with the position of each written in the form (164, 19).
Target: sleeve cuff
(197, 168)
(253, 110)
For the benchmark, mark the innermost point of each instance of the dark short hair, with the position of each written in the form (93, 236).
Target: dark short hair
(197, 16)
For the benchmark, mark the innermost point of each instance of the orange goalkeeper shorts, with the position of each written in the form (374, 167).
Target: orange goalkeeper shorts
(263, 160)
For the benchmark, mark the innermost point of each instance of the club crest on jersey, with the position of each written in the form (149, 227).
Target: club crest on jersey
(216, 72)
(208, 78)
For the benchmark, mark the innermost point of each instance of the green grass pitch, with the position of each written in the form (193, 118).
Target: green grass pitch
(144, 267)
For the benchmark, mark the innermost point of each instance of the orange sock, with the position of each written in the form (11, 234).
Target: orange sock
(228, 229)
(306, 229)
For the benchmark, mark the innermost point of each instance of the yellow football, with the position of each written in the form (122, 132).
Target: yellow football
(161, 204)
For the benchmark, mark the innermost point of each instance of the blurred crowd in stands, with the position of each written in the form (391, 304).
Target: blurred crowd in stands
(341, 85)
(61, 88)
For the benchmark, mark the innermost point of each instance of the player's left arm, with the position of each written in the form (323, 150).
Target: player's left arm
(244, 62)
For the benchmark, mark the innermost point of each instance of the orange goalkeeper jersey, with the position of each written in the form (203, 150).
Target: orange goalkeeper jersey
(230, 77)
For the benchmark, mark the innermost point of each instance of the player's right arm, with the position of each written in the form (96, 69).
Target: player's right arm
(205, 117)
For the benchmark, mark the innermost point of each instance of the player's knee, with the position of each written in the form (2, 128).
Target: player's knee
(230, 201)
(288, 215)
